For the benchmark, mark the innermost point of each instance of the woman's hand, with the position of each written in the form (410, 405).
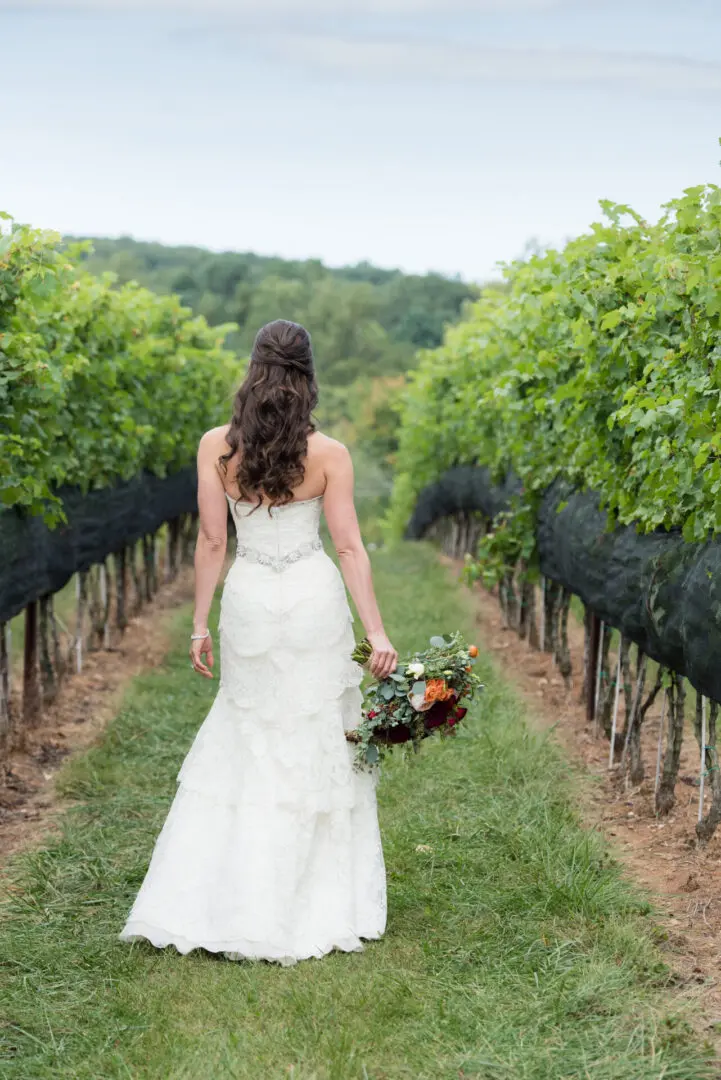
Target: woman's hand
(384, 658)
(202, 648)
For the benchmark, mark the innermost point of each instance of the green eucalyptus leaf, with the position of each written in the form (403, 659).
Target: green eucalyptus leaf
(371, 754)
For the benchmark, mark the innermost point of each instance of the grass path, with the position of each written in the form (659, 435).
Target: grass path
(514, 950)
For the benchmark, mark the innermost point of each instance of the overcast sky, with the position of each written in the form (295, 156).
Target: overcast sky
(425, 134)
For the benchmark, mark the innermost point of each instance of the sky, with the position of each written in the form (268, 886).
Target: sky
(438, 135)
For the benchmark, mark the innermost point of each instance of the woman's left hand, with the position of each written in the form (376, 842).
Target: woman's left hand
(199, 649)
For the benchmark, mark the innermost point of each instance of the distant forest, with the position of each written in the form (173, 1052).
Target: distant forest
(367, 324)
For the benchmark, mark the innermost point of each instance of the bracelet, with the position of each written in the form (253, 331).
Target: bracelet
(200, 637)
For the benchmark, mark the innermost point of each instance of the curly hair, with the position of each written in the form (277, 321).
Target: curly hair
(272, 411)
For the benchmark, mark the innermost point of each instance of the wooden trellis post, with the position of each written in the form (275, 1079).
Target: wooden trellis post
(81, 596)
(121, 589)
(31, 688)
(631, 720)
(612, 747)
(48, 674)
(137, 577)
(5, 719)
(659, 747)
(105, 606)
(599, 672)
(702, 771)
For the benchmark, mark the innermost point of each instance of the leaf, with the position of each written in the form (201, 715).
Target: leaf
(437, 642)
(387, 690)
(418, 688)
(372, 754)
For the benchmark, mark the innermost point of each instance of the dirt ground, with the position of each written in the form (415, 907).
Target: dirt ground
(684, 879)
(29, 804)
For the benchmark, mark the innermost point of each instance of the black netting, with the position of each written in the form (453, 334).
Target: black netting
(659, 591)
(463, 488)
(35, 560)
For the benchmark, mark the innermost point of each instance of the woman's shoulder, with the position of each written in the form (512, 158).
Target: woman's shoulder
(321, 445)
(215, 437)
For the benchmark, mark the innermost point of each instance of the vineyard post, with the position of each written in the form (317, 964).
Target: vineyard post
(706, 828)
(4, 693)
(666, 795)
(543, 613)
(612, 747)
(553, 620)
(169, 552)
(154, 560)
(660, 741)
(137, 578)
(105, 605)
(599, 672)
(587, 679)
(121, 589)
(31, 689)
(48, 677)
(564, 653)
(8, 643)
(59, 660)
(640, 683)
(81, 597)
(148, 566)
(702, 776)
(93, 608)
(533, 639)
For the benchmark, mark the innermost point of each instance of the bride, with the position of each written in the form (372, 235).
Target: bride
(271, 849)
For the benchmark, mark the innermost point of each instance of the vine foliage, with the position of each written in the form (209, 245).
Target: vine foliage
(98, 383)
(599, 364)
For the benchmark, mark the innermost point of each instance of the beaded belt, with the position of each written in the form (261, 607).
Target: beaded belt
(279, 562)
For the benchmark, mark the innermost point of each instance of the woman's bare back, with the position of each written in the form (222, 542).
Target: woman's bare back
(313, 485)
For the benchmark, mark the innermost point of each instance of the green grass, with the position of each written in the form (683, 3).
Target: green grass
(514, 949)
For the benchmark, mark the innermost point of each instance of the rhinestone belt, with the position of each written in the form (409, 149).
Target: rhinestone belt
(279, 562)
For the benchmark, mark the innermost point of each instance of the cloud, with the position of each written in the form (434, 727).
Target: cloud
(448, 61)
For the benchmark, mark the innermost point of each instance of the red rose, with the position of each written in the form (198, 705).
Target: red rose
(394, 733)
(456, 715)
(436, 715)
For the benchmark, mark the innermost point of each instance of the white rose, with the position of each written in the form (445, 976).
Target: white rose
(416, 669)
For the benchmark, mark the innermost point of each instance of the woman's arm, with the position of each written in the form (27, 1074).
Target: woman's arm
(210, 547)
(354, 562)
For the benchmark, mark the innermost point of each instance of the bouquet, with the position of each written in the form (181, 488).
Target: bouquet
(421, 697)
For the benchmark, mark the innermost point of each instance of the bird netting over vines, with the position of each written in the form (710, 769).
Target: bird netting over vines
(600, 363)
(36, 560)
(104, 394)
(597, 366)
(658, 590)
(98, 382)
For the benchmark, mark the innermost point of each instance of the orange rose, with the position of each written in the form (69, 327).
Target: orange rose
(438, 690)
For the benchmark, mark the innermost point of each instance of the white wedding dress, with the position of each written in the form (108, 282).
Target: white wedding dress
(271, 848)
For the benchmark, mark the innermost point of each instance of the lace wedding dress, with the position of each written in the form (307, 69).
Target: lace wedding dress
(271, 848)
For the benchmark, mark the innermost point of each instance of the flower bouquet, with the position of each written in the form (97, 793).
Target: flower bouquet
(421, 697)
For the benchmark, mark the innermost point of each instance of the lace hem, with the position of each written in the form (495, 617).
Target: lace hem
(243, 949)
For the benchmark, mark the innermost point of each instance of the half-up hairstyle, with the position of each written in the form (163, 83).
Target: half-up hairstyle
(271, 418)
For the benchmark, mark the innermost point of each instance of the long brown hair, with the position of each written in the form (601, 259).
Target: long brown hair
(271, 418)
